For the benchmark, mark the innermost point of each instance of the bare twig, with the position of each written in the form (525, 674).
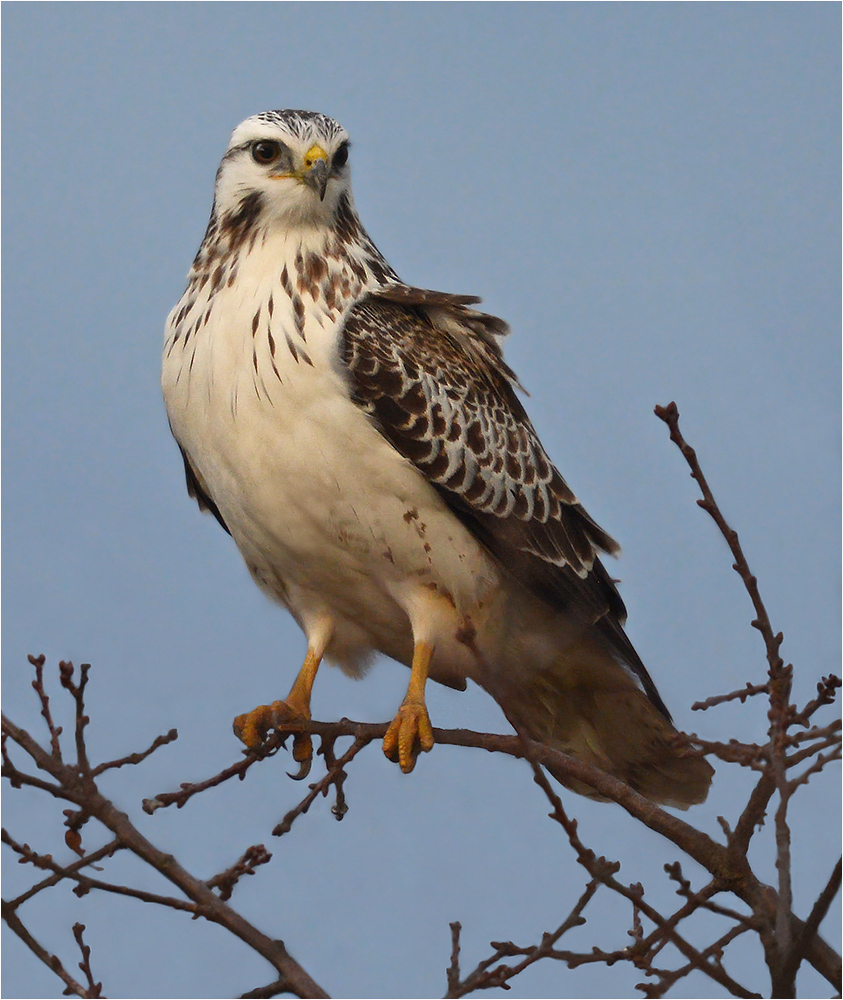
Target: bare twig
(815, 768)
(488, 974)
(94, 988)
(753, 814)
(272, 990)
(669, 977)
(51, 961)
(136, 758)
(699, 898)
(38, 685)
(66, 671)
(237, 770)
(90, 859)
(453, 971)
(740, 695)
(335, 776)
(84, 883)
(826, 694)
(253, 857)
(811, 925)
(670, 415)
(337, 769)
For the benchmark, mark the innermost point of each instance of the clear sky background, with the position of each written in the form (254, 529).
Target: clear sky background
(649, 194)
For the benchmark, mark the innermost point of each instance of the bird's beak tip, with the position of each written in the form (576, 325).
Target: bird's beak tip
(316, 170)
(316, 177)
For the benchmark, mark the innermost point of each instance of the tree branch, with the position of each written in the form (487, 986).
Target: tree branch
(51, 961)
(76, 785)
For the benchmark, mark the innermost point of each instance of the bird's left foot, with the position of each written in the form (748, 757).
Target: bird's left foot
(409, 735)
(253, 727)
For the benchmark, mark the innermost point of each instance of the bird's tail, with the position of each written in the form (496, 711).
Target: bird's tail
(587, 704)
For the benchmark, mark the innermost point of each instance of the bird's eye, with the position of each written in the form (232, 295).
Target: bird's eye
(341, 156)
(266, 151)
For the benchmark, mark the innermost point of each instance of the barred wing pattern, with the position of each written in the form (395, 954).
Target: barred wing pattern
(429, 370)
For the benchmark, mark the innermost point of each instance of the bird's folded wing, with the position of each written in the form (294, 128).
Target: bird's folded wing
(428, 368)
(197, 489)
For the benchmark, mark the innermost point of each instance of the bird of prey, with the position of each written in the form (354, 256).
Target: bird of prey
(362, 441)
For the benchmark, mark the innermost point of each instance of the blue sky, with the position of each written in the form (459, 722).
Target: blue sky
(649, 194)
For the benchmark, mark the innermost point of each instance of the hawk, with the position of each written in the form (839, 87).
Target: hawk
(362, 441)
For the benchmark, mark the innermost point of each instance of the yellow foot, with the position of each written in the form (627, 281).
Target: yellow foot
(253, 727)
(409, 735)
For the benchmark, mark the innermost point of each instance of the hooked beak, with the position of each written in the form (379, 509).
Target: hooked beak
(315, 172)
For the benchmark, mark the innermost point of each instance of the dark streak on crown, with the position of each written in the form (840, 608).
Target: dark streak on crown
(301, 123)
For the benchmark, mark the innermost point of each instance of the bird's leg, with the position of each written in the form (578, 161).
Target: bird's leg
(252, 727)
(410, 732)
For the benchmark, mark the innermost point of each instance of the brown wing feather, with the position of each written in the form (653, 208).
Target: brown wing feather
(429, 370)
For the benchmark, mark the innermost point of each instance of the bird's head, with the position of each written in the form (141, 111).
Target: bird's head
(284, 167)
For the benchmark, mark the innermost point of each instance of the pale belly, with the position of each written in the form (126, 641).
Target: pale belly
(337, 526)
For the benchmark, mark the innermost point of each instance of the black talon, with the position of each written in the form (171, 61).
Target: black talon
(304, 770)
(302, 743)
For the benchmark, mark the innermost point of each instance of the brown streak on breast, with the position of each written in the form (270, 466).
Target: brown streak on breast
(329, 290)
(216, 277)
(291, 347)
(315, 269)
(298, 310)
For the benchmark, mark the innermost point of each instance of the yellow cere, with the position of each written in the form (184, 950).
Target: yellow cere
(316, 152)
